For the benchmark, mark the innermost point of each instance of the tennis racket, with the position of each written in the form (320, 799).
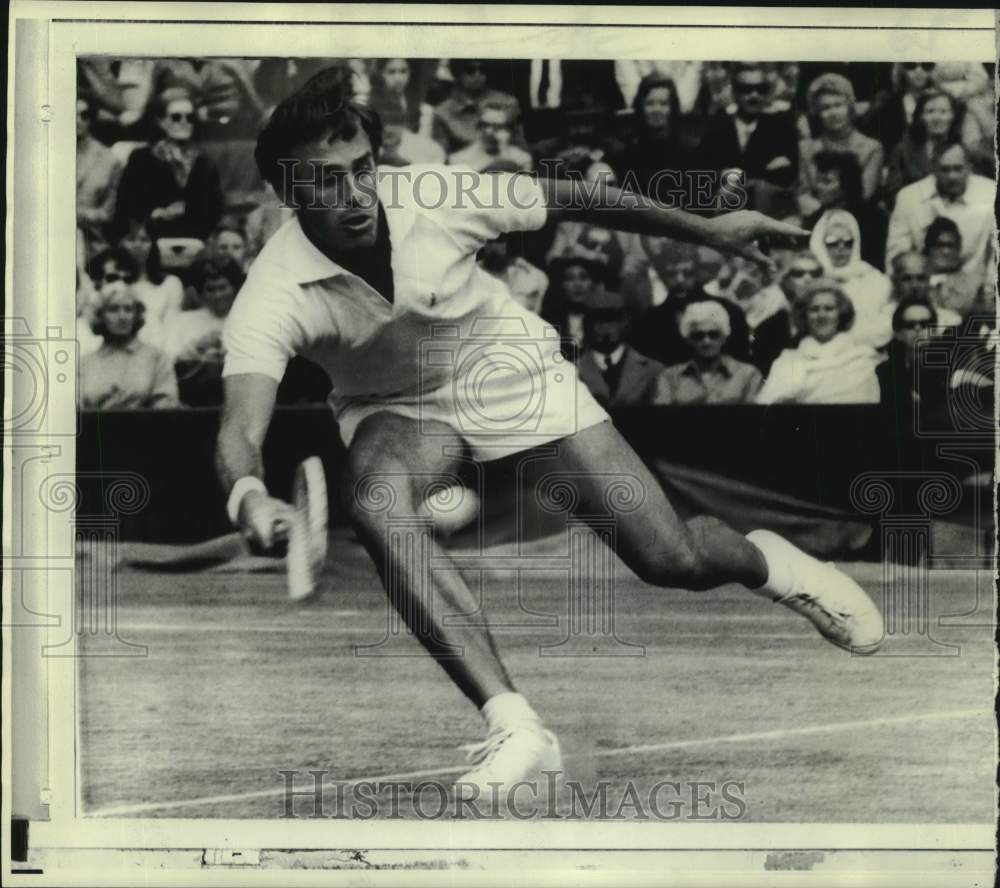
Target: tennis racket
(307, 532)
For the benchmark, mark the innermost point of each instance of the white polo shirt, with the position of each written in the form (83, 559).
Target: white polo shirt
(453, 346)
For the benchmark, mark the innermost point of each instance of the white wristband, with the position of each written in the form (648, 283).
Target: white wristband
(240, 489)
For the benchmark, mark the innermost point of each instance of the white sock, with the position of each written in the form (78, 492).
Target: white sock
(505, 709)
(779, 574)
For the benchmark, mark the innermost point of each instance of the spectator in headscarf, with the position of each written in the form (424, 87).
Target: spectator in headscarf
(161, 294)
(171, 182)
(828, 366)
(836, 243)
(837, 186)
(708, 376)
(937, 122)
(831, 103)
(123, 372)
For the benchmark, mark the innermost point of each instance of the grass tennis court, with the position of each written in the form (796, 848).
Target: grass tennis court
(239, 684)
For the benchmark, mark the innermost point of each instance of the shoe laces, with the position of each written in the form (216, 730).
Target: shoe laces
(800, 594)
(478, 753)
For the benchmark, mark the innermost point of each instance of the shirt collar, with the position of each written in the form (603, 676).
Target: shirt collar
(309, 264)
(130, 347)
(721, 366)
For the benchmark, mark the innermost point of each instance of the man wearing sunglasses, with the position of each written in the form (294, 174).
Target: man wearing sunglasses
(376, 280)
(763, 146)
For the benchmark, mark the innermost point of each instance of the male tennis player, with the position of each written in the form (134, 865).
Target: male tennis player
(375, 279)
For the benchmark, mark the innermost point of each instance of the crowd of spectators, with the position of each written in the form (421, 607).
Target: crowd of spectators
(889, 166)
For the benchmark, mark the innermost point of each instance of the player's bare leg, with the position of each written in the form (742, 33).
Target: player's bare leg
(703, 552)
(390, 457)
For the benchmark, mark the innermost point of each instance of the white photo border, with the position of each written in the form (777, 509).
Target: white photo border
(71, 29)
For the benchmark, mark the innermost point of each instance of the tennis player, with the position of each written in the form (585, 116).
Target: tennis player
(375, 279)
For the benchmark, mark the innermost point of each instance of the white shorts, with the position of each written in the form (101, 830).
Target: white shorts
(506, 405)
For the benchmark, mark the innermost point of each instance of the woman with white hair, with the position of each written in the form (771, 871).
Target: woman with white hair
(831, 106)
(124, 372)
(836, 242)
(828, 366)
(709, 377)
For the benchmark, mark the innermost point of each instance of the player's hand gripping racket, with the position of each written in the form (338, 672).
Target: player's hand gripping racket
(307, 530)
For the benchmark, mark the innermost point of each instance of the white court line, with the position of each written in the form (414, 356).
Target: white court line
(778, 734)
(353, 630)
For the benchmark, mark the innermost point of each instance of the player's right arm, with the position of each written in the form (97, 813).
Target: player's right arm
(246, 416)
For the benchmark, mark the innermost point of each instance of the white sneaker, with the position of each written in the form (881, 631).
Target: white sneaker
(837, 606)
(517, 754)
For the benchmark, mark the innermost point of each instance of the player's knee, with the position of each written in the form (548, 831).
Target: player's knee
(681, 566)
(666, 568)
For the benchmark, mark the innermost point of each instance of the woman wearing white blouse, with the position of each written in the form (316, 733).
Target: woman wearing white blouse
(829, 366)
(124, 372)
(160, 293)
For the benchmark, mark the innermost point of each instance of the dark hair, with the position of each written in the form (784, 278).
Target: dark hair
(162, 100)
(918, 131)
(904, 304)
(599, 272)
(154, 262)
(208, 267)
(824, 285)
(100, 328)
(459, 66)
(741, 67)
(646, 86)
(848, 167)
(941, 225)
(122, 258)
(323, 105)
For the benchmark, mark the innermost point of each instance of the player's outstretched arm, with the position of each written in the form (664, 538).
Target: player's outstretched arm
(246, 416)
(608, 207)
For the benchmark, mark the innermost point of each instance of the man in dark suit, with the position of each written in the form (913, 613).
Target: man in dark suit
(764, 147)
(615, 373)
(546, 89)
(674, 267)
